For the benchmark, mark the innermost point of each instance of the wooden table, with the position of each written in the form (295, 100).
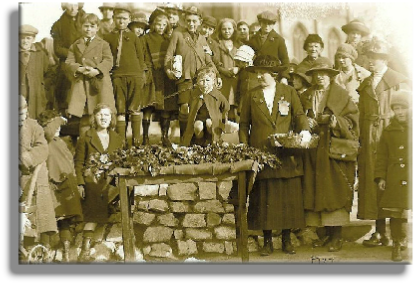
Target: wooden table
(177, 175)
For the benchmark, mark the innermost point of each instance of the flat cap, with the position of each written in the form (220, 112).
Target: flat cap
(267, 16)
(122, 7)
(210, 21)
(313, 38)
(107, 5)
(193, 10)
(401, 97)
(29, 30)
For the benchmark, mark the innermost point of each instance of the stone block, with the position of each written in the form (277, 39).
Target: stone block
(160, 250)
(143, 218)
(228, 219)
(228, 207)
(212, 247)
(208, 206)
(115, 234)
(252, 245)
(163, 190)
(198, 234)
(224, 188)
(146, 250)
(228, 248)
(157, 234)
(194, 220)
(207, 190)
(142, 205)
(158, 205)
(168, 220)
(179, 207)
(225, 233)
(178, 234)
(213, 219)
(187, 247)
(146, 190)
(102, 252)
(182, 191)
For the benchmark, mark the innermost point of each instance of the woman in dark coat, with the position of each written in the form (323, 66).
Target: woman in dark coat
(276, 200)
(328, 181)
(62, 179)
(392, 171)
(103, 140)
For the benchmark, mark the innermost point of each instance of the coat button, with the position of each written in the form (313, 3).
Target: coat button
(404, 183)
(401, 159)
(402, 165)
(401, 147)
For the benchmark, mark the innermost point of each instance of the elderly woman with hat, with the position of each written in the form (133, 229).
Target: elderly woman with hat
(106, 24)
(356, 30)
(329, 169)
(375, 114)
(276, 200)
(351, 75)
(268, 42)
(313, 45)
(33, 66)
(393, 169)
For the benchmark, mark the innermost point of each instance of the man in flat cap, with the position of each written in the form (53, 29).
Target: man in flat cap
(33, 66)
(375, 114)
(268, 42)
(207, 29)
(106, 24)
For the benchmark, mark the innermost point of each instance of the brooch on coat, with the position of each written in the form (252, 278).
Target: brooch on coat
(271, 39)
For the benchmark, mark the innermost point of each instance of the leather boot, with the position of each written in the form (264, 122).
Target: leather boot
(268, 248)
(336, 242)
(287, 246)
(396, 251)
(85, 254)
(165, 125)
(65, 252)
(146, 125)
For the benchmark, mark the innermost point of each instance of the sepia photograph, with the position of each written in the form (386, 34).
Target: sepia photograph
(214, 133)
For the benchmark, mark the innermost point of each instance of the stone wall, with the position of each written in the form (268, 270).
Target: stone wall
(184, 220)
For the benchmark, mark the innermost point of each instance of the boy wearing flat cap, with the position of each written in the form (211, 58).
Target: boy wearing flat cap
(106, 24)
(393, 171)
(195, 54)
(33, 66)
(128, 73)
(268, 42)
(207, 29)
(375, 114)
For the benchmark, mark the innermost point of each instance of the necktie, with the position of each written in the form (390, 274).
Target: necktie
(87, 41)
(117, 62)
(25, 56)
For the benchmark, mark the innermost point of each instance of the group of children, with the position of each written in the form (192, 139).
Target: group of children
(123, 69)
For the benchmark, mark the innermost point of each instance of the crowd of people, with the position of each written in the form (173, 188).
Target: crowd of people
(96, 76)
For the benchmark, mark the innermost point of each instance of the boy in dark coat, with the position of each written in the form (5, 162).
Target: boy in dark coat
(392, 171)
(128, 76)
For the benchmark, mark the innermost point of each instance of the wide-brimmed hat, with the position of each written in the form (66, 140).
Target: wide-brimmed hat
(267, 62)
(347, 50)
(323, 64)
(107, 5)
(267, 16)
(378, 48)
(356, 25)
(303, 76)
(245, 53)
(138, 18)
(313, 37)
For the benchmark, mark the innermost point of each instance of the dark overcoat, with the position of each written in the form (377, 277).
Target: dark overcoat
(95, 203)
(32, 80)
(394, 164)
(375, 115)
(328, 183)
(257, 124)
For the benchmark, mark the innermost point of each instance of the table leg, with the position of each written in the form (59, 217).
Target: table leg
(243, 224)
(127, 229)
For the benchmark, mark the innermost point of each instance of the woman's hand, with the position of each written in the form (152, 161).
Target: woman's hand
(81, 191)
(171, 75)
(333, 122)
(312, 123)
(305, 137)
